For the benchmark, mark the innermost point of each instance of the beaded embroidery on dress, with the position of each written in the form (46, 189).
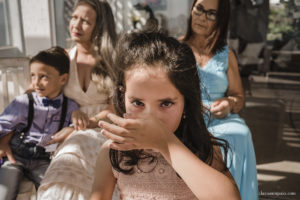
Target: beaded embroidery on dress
(157, 181)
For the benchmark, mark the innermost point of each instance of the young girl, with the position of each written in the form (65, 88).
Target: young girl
(161, 148)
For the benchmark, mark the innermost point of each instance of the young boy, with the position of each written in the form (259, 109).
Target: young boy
(33, 118)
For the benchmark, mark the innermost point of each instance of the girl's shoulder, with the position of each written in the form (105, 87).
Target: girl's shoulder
(219, 164)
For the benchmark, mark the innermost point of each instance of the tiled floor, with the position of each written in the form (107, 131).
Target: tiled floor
(272, 112)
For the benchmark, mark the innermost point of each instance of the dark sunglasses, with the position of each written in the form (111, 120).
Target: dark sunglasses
(210, 14)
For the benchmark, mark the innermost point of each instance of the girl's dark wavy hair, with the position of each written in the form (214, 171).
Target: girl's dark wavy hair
(153, 49)
(221, 26)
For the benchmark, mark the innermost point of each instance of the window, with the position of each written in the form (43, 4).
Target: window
(4, 36)
(11, 36)
(171, 14)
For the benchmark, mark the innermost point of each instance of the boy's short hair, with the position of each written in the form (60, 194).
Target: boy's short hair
(55, 57)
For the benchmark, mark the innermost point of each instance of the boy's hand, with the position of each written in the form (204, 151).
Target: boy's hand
(80, 120)
(5, 148)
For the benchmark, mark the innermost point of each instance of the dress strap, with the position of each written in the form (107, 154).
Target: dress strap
(72, 52)
(221, 58)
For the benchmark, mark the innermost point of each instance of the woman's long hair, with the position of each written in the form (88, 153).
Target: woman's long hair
(178, 61)
(220, 29)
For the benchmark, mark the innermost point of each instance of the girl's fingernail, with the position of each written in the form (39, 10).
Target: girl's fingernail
(126, 115)
(100, 124)
(109, 115)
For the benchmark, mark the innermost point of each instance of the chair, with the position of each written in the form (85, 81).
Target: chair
(249, 60)
(14, 80)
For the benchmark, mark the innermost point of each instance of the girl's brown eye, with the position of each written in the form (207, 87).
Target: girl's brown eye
(166, 104)
(137, 103)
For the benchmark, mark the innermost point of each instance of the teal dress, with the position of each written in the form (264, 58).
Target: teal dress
(241, 156)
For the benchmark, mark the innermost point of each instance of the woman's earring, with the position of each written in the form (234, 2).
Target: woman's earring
(121, 88)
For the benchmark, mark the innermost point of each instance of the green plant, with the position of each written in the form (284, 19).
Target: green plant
(279, 22)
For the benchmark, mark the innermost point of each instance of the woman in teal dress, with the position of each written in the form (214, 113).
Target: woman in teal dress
(221, 88)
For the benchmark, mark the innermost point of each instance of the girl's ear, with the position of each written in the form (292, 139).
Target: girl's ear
(64, 78)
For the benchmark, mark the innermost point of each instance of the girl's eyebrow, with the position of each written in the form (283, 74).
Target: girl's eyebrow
(134, 98)
(168, 99)
(160, 100)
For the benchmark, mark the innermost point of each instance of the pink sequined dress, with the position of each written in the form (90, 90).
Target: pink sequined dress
(157, 180)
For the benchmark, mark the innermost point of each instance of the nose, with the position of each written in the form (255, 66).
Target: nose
(153, 111)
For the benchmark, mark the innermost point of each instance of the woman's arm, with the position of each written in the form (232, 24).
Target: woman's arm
(235, 92)
(150, 133)
(104, 182)
(93, 121)
(81, 120)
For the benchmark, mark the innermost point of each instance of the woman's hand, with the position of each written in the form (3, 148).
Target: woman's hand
(146, 132)
(235, 88)
(80, 120)
(221, 108)
(5, 149)
(61, 135)
(93, 123)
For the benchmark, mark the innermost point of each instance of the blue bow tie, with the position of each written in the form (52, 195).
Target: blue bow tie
(54, 103)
